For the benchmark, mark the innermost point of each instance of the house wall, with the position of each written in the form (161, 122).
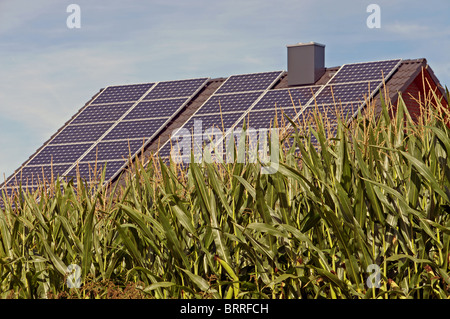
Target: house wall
(419, 91)
(412, 97)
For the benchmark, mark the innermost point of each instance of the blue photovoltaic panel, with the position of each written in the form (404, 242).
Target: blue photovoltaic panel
(8, 193)
(35, 175)
(81, 133)
(330, 112)
(286, 98)
(197, 127)
(102, 113)
(248, 82)
(174, 89)
(258, 119)
(165, 150)
(92, 171)
(122, 93)
(12, 194)
(59, 154)
(238, 102)
(337, 93)
(144, 129)
(115, 150)
(205, 122)
(181, 151)
(367, 71)
(306, 132)
(155, 108)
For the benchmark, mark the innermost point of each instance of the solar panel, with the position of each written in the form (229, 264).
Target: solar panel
(174, 89)
(138, 129)
(155, 109)
(58, 154)
(122, 93)
(113, 150)
(141, 123)
(340, 93)
(34, 175)
(238, 102)
(91, 171)
(348, 90)
(286, 98)
(102, 113)
(81, 133)
(121, 119)
(366, 71)
(331, 112)
(249, 82)
(259, 119)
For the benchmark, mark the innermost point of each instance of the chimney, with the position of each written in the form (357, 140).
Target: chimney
(306, 63)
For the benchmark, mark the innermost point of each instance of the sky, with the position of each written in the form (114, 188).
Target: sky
(48, 70)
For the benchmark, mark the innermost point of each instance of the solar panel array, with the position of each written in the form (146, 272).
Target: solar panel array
(349, 89)
(108, 131)
(220, 112)
(121, 120)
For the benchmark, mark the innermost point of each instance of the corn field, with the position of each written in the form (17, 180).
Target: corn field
(362, 214)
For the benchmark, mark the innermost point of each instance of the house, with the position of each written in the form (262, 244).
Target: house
(122, 122)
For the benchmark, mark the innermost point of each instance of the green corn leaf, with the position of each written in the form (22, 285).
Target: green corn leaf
(56, 261)
(423, 170)
(161, 284)
(375, 204)
(174, 241)
(218, 189)
(197, 280)
(334, 279)
(88, 233)
(250, 189)
(221, 245)
(231, 273)
(266, 228)
(129, 244)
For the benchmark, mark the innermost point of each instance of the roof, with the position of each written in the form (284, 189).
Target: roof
(195, 94)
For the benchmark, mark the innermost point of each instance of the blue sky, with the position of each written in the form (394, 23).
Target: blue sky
(48, 71)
